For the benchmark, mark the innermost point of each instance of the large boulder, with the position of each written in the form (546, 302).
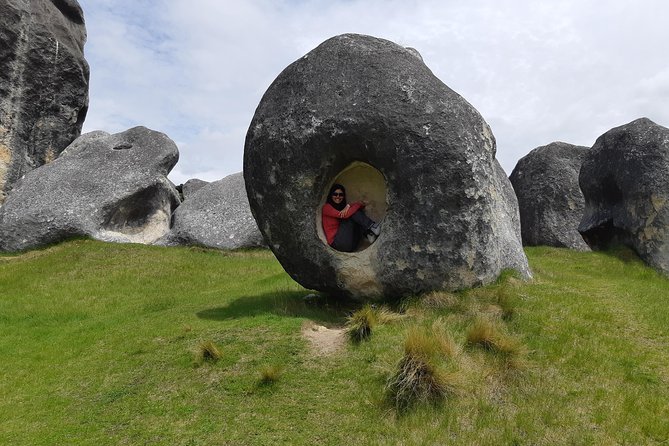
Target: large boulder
(108, 187)
(369, 114)
(43, 83)
(550, 200)
(216, 215)
(625, 181)
(191, 186)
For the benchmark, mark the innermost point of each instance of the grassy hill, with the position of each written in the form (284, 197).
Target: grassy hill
(107, 344)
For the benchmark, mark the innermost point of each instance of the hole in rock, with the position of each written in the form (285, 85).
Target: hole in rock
(604, 236)
(142, 217)
(363, 182)
(123, 146)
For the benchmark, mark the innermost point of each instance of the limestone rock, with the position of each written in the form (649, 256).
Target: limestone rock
(625, 182)
(43, 83)
(369, 114)
(108, 187)
(550, 200)
(217, 215)
(191, 186)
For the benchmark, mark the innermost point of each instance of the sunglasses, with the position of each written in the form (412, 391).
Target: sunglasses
(337, 194)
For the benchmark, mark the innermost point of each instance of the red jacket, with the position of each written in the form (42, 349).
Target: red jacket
(331, 219)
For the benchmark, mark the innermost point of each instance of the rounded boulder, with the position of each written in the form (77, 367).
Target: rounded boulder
(625, 182)
(369, 114)
(550, 200)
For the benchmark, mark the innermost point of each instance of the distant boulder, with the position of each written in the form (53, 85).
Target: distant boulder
(191, 186)
(549, 198)
(43, 83)
(217, 215)
(369, 114)
(108, 187)
(625, 181)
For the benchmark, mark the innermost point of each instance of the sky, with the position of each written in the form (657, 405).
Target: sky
(537, 71)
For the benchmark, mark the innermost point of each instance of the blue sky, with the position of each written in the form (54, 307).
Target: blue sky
(537, 71)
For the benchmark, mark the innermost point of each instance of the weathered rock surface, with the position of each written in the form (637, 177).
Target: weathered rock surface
(109, 187)
(550, 200)
(217, 215)
(191, 186)
(366, 104)
(625, 182)
(43, 83)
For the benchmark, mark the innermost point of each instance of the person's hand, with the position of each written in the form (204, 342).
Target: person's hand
(344, 212)
(364, 203)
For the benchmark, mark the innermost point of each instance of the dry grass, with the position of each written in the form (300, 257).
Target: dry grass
(384, 315)
(492, 337)
(207, 351)
(440, 300)
(360, 324)
(270, 374)
(506, 300)
(419, 377)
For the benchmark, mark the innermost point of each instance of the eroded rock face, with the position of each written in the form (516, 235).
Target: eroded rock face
(217, 215)
(625, 182)
(550, 200)
(109, 187)
(448, 212)
(43, 83)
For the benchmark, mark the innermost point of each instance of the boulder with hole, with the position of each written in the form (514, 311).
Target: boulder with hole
(217, 215)
(369, 114)
(43, 83)
(549, 198)
(625, 182)
(108, 187)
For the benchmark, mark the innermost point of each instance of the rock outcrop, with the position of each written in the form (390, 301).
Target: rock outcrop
(369, 114)
(191, 186)
(625, 182)
(217, 215)
(108, 187)
(550, 200)
(43, 83)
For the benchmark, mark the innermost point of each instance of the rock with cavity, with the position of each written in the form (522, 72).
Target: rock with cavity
(369, 114)
(217, 216)
(625, 182)
(108, 187)
(43, 83)
(550, 200)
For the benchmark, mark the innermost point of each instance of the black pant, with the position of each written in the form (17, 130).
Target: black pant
(351, 231)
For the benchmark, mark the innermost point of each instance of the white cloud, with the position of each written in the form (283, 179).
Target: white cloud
(537, 71)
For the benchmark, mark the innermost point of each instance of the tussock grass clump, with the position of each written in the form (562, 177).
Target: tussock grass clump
(385, 315)
(443, 300)
(207, 351)
(490, 336)
(445, 342)
(360, 324)
(419, 377)
(506, 300)
(270, 374)
(483, 333)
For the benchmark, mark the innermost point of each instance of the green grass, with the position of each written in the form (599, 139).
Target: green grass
(97, 347)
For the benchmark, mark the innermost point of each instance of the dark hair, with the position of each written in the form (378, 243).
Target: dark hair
(341, 205)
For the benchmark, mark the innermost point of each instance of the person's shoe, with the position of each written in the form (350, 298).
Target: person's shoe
(375, 228)
(371, 237)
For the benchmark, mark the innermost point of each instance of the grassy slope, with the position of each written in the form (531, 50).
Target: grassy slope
(97, 342)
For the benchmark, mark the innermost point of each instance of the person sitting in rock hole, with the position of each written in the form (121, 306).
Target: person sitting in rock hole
(345, 224)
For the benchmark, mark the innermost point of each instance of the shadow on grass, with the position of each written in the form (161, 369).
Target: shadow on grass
(323, 309)
(623, 253)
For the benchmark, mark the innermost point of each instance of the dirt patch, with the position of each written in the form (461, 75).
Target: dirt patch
(322, 340)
